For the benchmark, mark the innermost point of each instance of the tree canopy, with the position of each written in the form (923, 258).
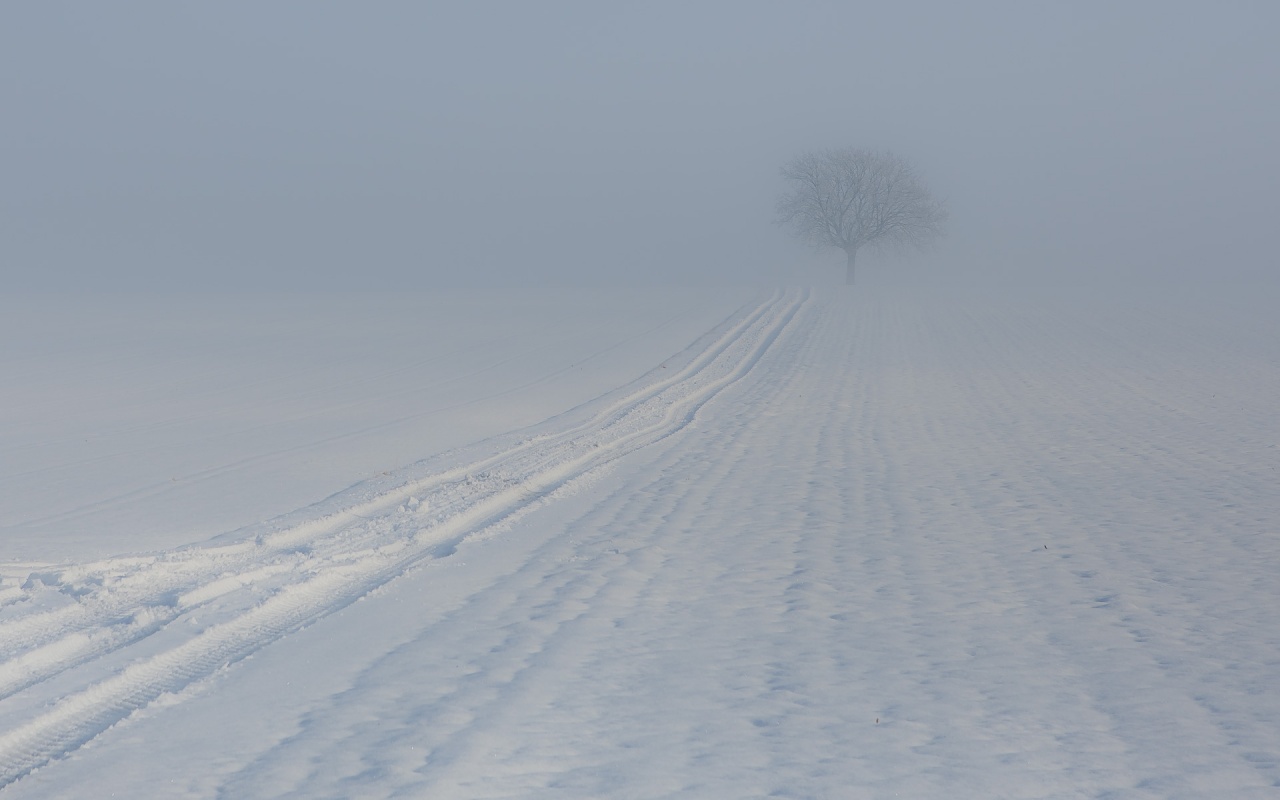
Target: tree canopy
(851, 198)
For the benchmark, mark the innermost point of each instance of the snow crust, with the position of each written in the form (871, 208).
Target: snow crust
(843, 545)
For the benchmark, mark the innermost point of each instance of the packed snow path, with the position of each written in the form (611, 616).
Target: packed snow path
(844, 548)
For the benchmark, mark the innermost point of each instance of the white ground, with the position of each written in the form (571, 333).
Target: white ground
(844, 545)
(133, 423)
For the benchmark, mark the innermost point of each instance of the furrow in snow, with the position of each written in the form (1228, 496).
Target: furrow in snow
(132, 583)
(315, 568)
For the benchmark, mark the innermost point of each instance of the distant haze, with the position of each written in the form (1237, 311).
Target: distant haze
(406, 145)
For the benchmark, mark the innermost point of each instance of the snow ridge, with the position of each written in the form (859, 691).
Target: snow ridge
(158, 623)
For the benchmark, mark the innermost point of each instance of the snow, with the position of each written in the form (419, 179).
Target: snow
(845, 544)
(126, 421)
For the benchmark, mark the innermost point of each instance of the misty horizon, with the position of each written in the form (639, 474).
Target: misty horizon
(332, 147)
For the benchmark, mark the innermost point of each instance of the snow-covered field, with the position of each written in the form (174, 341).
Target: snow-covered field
(134, 423)
(796, 544)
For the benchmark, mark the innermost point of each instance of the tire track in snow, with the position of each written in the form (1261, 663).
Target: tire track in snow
(150, 584)
(542, 621)
(317, 566)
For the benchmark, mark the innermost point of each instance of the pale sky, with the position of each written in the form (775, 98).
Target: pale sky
(390, 145)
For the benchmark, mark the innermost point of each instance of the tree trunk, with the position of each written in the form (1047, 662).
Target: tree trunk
(848, 276)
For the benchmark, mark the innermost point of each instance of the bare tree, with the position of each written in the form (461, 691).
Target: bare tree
(850, 199)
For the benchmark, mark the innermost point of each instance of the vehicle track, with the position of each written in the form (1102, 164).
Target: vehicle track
(243, 593)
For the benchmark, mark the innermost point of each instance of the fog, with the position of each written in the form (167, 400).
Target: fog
(407, 145)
